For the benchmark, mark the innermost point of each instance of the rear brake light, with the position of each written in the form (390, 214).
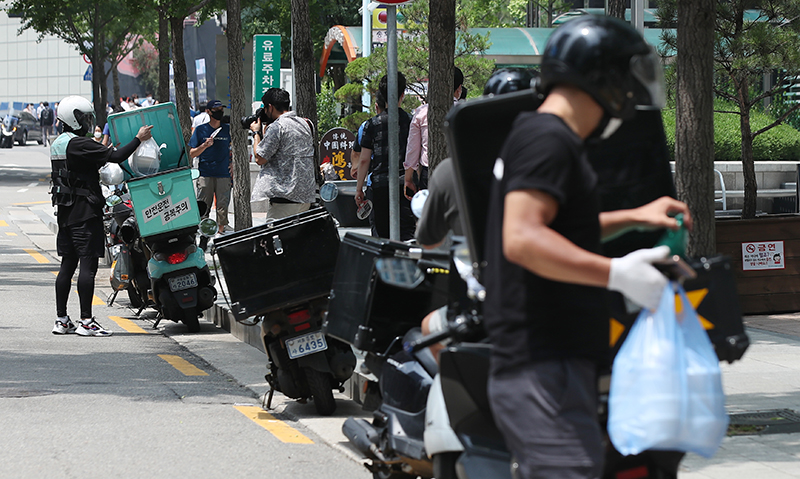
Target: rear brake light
(176, 258)
(301, 327)
(299, 317)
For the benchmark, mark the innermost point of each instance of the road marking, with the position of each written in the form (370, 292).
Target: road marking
(23, 190)
(37, 256)
(3, 223)
(127, 325)
(278, 428)
(33, 184)
(8, 233)
(182, 365)
(30, 203)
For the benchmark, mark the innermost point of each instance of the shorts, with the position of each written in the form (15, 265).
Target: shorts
(82, 239)
(547, 413)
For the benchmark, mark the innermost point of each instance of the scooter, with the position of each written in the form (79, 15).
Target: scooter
(123, 239)
(303, 362)
(7, 131)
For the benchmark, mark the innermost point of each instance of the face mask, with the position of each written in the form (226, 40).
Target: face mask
(217, 114)
(97, 134)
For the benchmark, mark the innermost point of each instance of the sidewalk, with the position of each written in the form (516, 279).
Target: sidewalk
(766, 379)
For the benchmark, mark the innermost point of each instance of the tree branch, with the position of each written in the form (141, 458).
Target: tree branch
(778, 121)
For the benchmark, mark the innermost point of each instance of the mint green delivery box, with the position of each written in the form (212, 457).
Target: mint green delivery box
(164, 202)
(166, 131)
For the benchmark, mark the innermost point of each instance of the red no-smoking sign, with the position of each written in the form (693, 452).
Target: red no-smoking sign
(763, 255)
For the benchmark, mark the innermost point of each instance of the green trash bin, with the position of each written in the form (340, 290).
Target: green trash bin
(166, 131)
(164, 202)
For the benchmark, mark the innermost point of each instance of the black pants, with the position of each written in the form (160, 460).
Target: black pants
(85, 284)
(379, 218)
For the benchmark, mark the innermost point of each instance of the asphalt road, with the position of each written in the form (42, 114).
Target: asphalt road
(137, 404)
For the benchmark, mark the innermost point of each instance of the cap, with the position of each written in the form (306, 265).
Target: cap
(214, 104)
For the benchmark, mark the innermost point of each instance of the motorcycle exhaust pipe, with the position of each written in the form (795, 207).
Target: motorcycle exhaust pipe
(364, 436)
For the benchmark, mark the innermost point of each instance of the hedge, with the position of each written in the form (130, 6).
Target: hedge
(779, 143)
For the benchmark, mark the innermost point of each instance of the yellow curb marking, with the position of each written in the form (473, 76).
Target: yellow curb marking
(127, 325)
(31, 203)
(182, 365)
(37, 256)
(3, 223)
(8, 233)
(278, 428)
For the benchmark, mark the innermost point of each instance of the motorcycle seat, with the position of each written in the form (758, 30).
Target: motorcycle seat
(424, 356)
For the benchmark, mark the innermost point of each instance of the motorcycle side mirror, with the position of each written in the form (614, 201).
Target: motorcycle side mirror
(400, 272)
(208, 227)
(328, 192)
(195, 173)
(418, 202)
(113, 200)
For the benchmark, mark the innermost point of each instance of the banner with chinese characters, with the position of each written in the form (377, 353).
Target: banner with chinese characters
(266, 64)
(335, 147)
(763, 255)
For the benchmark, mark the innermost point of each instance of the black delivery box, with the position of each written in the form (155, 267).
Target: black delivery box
(279, 264)
(366, 312)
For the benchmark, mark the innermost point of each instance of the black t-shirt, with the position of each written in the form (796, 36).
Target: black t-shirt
(528, 317)
(376, 138)
(85, 156)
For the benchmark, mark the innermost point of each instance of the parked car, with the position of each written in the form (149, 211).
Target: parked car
(28, 128)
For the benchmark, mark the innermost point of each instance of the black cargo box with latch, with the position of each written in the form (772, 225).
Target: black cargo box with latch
(368, 313)
(279, 264)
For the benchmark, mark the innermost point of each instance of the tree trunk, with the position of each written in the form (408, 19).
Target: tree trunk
(115, 76)
(748, 165)
(616, 8)
(240, 164)
(180, 76)
(694, 136)
(163, 57)
(442, 38)
(303, 53)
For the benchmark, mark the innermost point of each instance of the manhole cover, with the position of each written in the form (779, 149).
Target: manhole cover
(774, 421)
(23, 393)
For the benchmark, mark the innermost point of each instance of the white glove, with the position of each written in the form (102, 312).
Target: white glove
(634, 276)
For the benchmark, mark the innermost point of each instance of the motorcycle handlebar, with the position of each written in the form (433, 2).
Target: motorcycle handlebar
(428, 340)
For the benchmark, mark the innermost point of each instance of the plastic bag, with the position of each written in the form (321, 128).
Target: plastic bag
(146, 160)
(121, 268)
(666, 386)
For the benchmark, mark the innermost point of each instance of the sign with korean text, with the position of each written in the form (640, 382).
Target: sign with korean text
(763, 255)
(335, 148)
(202, 86)
(165, 210)
(266, 64)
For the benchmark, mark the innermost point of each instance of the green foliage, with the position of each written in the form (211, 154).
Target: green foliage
(783, 103)
(145, 59)
(493, 13)
(779, 143)
(327, 109)
(353, 121)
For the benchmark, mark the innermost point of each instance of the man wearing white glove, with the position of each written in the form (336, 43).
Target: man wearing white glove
(545, 308)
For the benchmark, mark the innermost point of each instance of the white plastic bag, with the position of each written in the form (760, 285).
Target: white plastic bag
(146, 160)
(666, 387)
(121, 268)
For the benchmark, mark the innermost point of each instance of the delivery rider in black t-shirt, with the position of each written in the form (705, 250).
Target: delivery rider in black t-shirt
(75, 160)
(544, 279)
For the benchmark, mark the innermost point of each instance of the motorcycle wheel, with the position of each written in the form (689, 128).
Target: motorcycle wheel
(319, 384)
(24, 140)
(389, 473)
(133, 296)
(191, 320)
(444, 465)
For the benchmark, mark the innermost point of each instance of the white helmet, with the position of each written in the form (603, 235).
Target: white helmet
(77, 113)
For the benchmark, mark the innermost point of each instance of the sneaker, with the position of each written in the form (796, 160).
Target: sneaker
(92, 328)
(64, 327)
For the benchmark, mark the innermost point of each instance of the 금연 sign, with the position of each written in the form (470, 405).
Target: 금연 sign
(763, 255)
(266, 64)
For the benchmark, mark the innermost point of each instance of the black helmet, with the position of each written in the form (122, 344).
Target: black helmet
(609, 60)
(507, 80)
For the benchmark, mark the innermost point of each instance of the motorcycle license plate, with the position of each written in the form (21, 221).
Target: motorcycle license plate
(183, 282)
(306, 344)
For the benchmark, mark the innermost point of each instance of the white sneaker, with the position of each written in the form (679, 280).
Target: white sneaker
(64, 327)
(92, 328)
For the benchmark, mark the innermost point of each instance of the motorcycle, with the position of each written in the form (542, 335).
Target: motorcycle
(122, 238)
(279, 274)
(7, 131)
(399, 294)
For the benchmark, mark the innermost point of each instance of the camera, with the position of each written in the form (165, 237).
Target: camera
(249, 120)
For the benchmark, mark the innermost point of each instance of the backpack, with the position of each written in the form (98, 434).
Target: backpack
(47, 117)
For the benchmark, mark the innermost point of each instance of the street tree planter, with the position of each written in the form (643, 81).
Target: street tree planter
(765, 258)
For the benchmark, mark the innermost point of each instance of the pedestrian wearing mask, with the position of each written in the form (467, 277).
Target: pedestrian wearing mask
(75, 159)
(545, 301)
(211, 142)
(285, 151)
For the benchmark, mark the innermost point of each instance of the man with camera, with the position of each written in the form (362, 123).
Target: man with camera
(212, 143)
(285, 151)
